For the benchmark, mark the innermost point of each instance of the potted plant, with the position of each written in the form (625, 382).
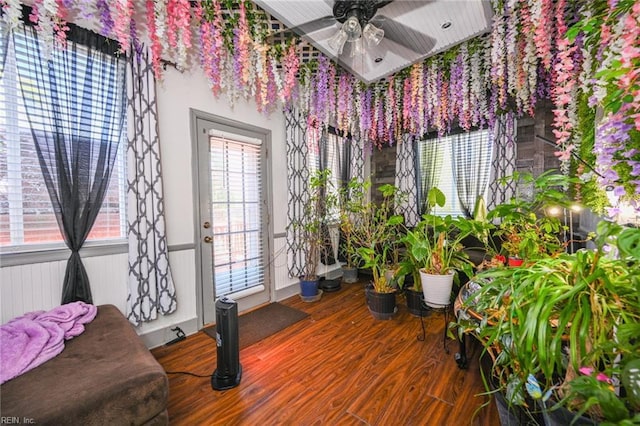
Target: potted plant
(375, 237)
(528, 228)
(312, 229)
(435, 245)
(557, 325)
(352, 202)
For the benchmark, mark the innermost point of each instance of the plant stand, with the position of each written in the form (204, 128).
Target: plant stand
(445, 310)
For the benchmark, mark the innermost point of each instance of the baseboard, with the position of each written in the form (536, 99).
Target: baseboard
(287, 292)
(161, 336)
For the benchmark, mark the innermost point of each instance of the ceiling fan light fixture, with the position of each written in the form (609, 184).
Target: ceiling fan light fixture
(337, 41)
(358, 48)
(372, 34)
(352, 27)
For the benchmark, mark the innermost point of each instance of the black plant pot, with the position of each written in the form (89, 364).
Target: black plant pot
(510, 415)
(381, 305)
(561, 416)
(415, 303)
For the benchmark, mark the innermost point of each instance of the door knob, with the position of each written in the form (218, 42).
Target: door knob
(208, 239)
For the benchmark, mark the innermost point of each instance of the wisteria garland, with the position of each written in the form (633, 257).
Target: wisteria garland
(122, 24)
(12, 13)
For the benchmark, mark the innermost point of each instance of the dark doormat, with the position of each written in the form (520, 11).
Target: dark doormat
(263, 322)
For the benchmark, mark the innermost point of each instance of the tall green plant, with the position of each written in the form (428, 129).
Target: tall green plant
(376, 236)
(312, 226)
(353, 201)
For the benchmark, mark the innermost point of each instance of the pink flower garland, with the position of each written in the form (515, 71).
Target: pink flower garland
(156, 47)
(291, 63)
(629, 82)
(179, 28)
(562, 97)
(542, 11)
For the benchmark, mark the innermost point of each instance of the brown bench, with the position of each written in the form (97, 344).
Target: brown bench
(105, 376)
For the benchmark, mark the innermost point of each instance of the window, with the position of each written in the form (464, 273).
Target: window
(476, 147)
(331, 145)
(27, 218)
(237, 212)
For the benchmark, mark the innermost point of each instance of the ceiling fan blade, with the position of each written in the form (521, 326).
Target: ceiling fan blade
(407, 36)
(383, 3)
(313, 26)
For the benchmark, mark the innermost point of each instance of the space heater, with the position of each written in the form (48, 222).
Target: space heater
(229, 371)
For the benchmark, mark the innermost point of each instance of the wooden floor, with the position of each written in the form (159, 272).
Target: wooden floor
(338, 366)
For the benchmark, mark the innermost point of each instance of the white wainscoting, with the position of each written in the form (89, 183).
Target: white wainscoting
(38, 286)
(280, 264)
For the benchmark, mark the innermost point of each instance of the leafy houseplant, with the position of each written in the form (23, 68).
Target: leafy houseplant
(352, 203)
(312, 227)
(375, 237)
(552, 319)
(526, 228)
(435, 248)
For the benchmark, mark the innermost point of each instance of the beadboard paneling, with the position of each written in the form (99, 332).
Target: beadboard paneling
(38, 286)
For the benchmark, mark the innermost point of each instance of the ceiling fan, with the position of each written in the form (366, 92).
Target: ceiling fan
(361, 23)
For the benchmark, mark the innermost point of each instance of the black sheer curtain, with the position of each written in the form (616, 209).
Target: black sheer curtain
(327, 256)
(429, 157)
(74, 100)
(471, 154)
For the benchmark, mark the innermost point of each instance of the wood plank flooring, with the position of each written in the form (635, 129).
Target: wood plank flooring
(339, 366)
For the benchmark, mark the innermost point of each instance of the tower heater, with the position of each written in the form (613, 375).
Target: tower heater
(229, 371)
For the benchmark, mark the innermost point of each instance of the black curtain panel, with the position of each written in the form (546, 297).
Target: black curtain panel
(326, 256)
(471, 154)
(74, 99)
(430, 154)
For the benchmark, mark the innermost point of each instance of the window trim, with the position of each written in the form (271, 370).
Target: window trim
(43, 253)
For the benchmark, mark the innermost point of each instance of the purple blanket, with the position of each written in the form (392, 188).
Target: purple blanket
(36, 337)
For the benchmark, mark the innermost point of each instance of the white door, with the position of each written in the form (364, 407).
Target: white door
(234, 215)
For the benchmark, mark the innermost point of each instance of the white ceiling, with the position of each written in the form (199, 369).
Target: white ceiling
(416, 27)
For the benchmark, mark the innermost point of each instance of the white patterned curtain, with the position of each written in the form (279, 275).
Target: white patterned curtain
(503, 163)
(406, 180)
(151, 288)
(297, 187)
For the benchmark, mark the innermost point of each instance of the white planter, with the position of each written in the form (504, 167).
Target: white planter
(436, 289)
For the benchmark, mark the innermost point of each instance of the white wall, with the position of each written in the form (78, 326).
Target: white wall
(30, 287)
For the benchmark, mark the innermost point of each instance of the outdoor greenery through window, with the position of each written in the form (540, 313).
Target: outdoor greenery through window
(27, 218)
(459, 165)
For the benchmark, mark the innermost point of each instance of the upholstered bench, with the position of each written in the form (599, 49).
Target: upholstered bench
(105, 376)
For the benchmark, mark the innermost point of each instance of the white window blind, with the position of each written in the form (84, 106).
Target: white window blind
(26, 213)
(447, 182)
(236, 210)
